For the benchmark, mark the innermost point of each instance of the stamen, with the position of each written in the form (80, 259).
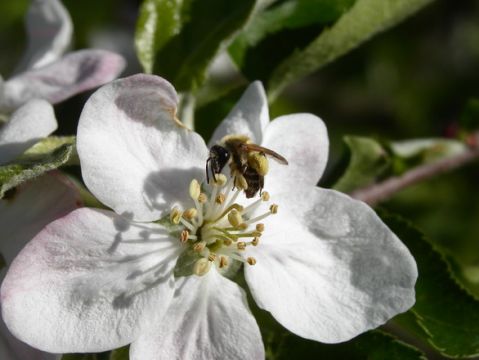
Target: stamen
(241, 245)
(195, 189)
(190, 213)
(265, 196)
(273, 208)
(188, 225)
(220, 199)
(199, 246)
(184, 236)
(202, 198)
(223, 262)
(234, 218)
(212, 257)
(251, 260)
(219, 180)
(175, 216)
(260, 227)
(201, 267)
(255, 241)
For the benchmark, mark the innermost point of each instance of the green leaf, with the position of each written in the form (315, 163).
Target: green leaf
(158, 22)
(368, 161)
(210, 26)
(120, 354)
(33, 163)
(290, 14)
(447, 314)
(365, 19)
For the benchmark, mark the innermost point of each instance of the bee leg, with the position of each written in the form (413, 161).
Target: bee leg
(208, 161)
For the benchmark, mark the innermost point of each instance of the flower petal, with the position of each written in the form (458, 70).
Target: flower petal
(328, 268)
(250, 116)
(34, 205)
(75, 72)
(208, 318)
(49, 28)
(89, 282)
(135, 155)
(303, 140)
(26, 126)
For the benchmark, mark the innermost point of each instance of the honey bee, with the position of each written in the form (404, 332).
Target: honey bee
(248, 162)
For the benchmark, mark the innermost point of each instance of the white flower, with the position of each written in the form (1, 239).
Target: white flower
(22, 215)
(45, 74)
(323, 264)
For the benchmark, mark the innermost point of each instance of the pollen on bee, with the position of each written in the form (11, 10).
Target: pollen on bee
(259, 162)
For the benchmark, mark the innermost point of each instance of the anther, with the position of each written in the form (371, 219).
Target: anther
(202, 198)
(223, 262)
(220, 179)
(260, 227)
(273, 208)
(242, 226)
(241, 245)
(251, 260)
(256, 233)
(199, 246)
(220, 199)
(234, 218)
(265, 196)
(190, 213)
(227, 242)
(212, 257)
(175, 215)
(255, 241)
(184, 236)
(201, 267)
(195, 189)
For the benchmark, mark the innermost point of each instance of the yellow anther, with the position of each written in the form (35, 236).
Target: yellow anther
(242, 226)
(255, 241)
(265, 196)
(251, 260)
(259, 162)
(240, 182)
(273, 208)
(199, 246)
(195, 189)
(202, 198)
(223, 262)
(175, 215)
(227, 242)
(184, 236)
(190, 213)
(220, 199)
(241, 245)
(260, 227)
(219, 179)
(234, 218)
(212, 257)
(201, 267)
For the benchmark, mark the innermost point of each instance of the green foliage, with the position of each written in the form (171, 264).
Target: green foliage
(447, 314)
(470, 116)
(368, 161)
(117, 354)
(365, 19)
(158, 22)
(208, 26)
(290, 14)
(43, 157)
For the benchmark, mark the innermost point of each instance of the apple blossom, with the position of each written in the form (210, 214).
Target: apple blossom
(156, 272)
(33, 205)
(45, 74)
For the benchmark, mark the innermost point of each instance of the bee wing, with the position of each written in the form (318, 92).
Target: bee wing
(269, 152)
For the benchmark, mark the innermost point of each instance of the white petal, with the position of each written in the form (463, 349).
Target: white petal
(208, 319)
(49, 28)
(250, 116)
(29, 124)
(75, 72)
(34, 205)
(303, 140)
(135, 156)
(89, 282)
(328, 268)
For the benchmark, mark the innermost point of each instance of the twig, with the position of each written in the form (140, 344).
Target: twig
(376, 193)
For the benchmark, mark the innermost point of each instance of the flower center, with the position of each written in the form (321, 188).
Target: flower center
(217, 230)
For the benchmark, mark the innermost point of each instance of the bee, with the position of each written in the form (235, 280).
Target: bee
(248, 162)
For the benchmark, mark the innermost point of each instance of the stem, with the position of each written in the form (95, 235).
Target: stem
(376, 193)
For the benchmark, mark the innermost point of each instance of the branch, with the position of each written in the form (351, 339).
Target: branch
(376, 193)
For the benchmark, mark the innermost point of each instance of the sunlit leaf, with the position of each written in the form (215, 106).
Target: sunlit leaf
(33, 164)
(158, 21)
(365, 19)
(209, 26)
